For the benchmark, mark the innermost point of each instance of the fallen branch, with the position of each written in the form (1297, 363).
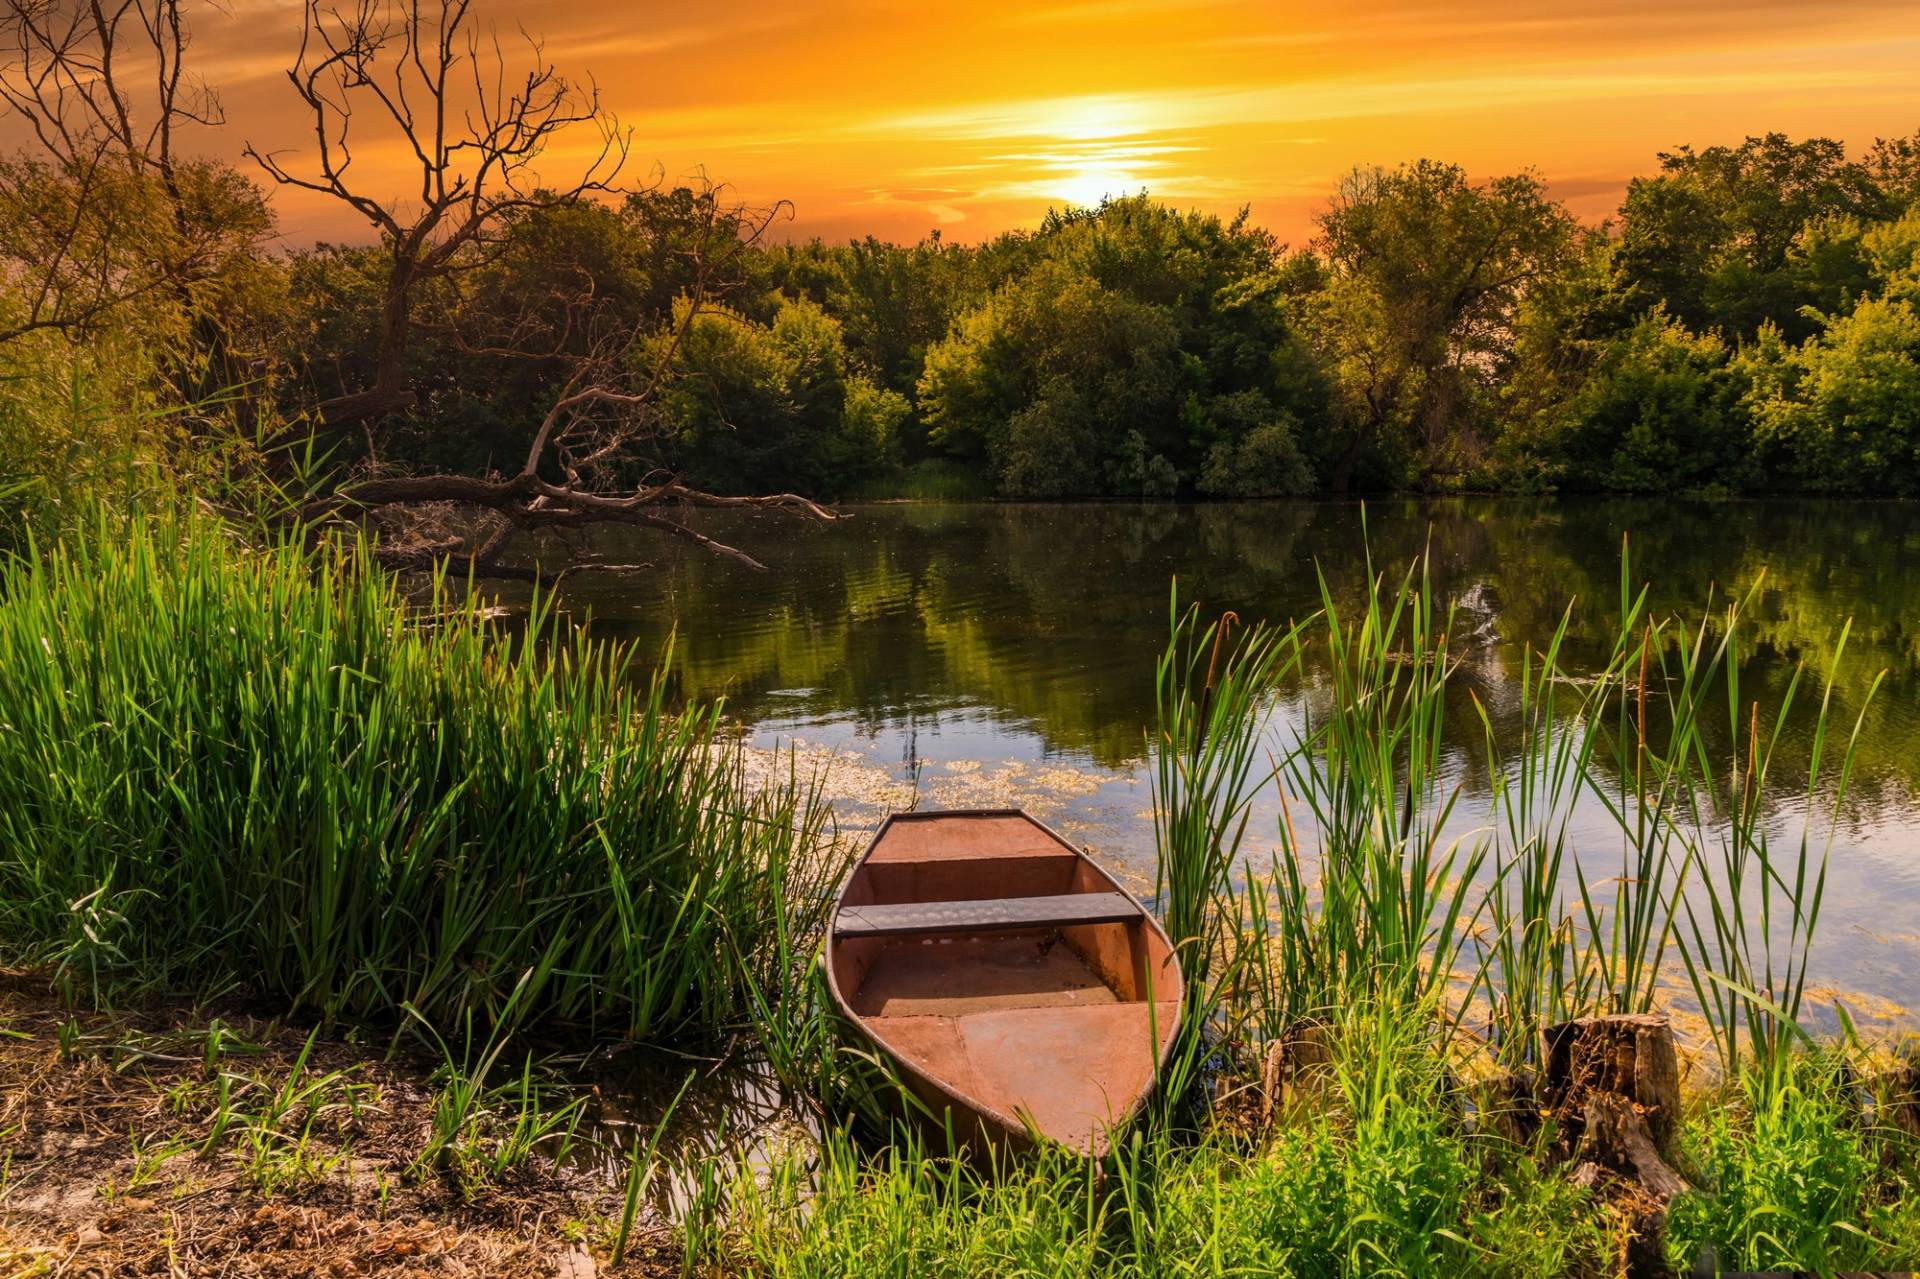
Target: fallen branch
(530, 503)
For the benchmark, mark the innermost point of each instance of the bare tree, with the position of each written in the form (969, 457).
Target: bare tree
(416, 70)
(107, 212)
(477, 132)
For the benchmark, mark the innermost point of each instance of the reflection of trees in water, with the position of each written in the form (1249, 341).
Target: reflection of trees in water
(1051, 616)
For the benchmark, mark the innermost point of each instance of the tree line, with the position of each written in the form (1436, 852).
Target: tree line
(538, 352)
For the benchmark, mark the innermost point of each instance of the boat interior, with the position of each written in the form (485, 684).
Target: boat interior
(999, 962)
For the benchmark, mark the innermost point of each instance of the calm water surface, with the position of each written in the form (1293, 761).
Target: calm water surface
(989, 654)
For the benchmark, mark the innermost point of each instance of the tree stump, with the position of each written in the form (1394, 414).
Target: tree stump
(1298, 1065)
(1613, 1086)
(1628, 1056)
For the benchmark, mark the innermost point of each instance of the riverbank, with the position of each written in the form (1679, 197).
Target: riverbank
(175, 1139)
(270, 788)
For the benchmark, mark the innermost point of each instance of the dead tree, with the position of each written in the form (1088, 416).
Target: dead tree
(416, 71)
(1613, 1085)
(420, 72)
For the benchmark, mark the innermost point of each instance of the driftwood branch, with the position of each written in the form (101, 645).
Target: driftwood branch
(529, 503)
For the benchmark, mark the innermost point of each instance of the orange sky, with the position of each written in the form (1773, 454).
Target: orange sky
(896, 118)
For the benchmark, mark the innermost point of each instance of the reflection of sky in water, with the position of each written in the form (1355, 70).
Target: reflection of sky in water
(1867, 947)
(990, 655)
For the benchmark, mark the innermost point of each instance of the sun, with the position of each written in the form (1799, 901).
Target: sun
(1087, 185)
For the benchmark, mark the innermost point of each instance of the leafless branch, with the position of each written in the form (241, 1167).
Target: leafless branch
(418, 71)
(104, 211)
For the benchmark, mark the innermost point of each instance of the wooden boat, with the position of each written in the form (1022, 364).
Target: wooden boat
(1022, 993)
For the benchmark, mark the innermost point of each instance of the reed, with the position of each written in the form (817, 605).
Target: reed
(276, 769)
(1211, 691)
(1384, 916)
(1381, 890)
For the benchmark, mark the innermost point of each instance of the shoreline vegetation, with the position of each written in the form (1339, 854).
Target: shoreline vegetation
(1745, 324)
(372, 856)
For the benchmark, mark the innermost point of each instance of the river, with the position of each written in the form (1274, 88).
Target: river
(981, 654)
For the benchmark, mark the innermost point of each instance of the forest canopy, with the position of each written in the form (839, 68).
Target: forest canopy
(1746, 322)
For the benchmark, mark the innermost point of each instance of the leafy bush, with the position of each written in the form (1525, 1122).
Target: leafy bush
(1790, 1182)
(1660, 412)
(757, 408)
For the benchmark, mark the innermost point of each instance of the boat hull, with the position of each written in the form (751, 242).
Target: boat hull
(1022, 994)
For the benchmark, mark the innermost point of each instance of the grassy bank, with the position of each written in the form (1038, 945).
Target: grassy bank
(1374, 1174)
(222, 767)
(266, 773)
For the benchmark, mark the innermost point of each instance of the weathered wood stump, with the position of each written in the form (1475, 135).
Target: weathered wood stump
(1626, 1056)
(1613, 1086)
(1297, 1066)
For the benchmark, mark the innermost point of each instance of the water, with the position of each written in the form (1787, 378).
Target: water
(991, 654)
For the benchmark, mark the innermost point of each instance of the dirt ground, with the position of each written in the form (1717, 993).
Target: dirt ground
(183, 1141)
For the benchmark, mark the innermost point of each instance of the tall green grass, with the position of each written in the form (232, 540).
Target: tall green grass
(273, 769)
(1794, 1179)
(1376, 1179)
(1382, 890)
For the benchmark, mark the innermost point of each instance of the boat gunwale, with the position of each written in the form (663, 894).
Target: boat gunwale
(1013, 1125)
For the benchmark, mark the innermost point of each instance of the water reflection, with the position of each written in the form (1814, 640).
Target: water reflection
(1000, 652)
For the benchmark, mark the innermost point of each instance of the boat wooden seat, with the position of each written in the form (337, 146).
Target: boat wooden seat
(991, 914)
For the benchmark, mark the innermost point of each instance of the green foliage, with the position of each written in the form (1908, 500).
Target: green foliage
(1789, 1181)
(218, 765)
(1743, 324)
(1062, 388)
(1137, 352)
(761, 408)
(1425, 271)
(1660, 411)
(1375, 1180)
(1259, 453)
(1851, 422)
(1712, 237)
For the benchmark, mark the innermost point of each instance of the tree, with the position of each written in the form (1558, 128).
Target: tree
(1062, 387)
(1711, 237)
(477, 135)
(107, 212)
(1849, 414)
(750, 406)
(1258, 453)
(1661, 411)
(1424, 272)
(1097, 367)
(475, 130)
(1894, 164)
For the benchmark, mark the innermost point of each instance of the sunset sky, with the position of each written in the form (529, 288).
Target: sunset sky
(896, 118)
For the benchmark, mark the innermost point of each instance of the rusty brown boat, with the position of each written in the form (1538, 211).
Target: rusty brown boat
(1022, 993)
